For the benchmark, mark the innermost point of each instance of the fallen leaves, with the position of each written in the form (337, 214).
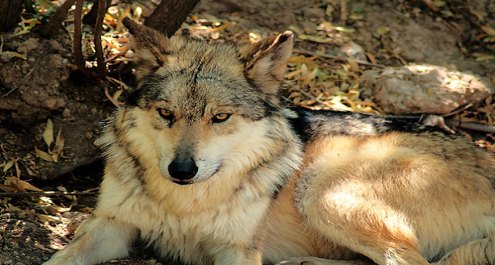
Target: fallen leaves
(10, 54)
(318, 85)
(15, 184)
(55, 146)
(25, 26)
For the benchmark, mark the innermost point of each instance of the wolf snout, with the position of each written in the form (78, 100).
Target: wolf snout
(182, 169)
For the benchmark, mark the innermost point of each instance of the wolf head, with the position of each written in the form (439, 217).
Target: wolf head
(204, 108)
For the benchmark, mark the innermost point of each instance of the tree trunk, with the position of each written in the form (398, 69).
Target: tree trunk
(170, 14)
(10, 12)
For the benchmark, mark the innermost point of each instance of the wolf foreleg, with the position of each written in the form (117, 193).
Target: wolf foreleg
(239, 256)
(320, 261)
(97, 240)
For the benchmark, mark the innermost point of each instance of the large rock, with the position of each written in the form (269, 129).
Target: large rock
(423, 89)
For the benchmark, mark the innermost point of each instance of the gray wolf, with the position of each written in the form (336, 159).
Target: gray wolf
(207, 166)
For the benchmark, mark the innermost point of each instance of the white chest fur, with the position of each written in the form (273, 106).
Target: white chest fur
(184, 226)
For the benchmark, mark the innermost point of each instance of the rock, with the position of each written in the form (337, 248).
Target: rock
(28, 45)
(354, 51)
(56, 46)
(313, 13)
(54, 102)
(309, 27)
(423, 89)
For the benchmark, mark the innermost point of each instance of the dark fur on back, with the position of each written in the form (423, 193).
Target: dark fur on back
(313, 124)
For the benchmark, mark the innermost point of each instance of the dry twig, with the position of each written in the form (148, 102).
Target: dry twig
(475, 127)
(47, 193)
(337, 58)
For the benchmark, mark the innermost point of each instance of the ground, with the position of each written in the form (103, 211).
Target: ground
(51, 114)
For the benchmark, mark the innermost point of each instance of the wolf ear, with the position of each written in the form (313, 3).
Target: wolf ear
(150, 46)
(266, 61)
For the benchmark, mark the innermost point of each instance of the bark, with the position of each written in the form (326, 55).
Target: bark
(170, 14)
(100, 58)
(91, 17)
(10, 11)
(51, 28)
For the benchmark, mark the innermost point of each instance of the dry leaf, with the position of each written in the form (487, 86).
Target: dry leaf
(382, 30)
(59, 143)
(10, 54)
(25, 185)
(354, 65)
(8, 165)
(117, 95)
(17, 185)
(43, 155)
(488, 30)
(8, 188)
(371, 57)
(48, 133)
(44, 218)
(315, 38)
(439, 3)
(345, 30)
(114, 102)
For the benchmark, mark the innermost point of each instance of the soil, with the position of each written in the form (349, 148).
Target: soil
(44, 86)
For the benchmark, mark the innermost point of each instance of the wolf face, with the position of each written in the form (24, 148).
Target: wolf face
(196, 103)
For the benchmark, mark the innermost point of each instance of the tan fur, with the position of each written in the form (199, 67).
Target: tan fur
(384, 198)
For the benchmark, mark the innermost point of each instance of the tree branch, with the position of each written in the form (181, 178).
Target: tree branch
(169, 15)
(51, 28)
(77, 42)
(100, 60)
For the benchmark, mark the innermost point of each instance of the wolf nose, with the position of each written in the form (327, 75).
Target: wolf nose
(182, 168)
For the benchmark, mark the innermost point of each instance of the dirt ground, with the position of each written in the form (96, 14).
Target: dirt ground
(42, 86)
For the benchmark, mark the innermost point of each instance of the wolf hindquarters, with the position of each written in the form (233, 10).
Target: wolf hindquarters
(97, 240)
(398, 199)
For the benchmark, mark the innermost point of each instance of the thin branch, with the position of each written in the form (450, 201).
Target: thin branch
(47, 193)
(77, 42)
(314, 98)
(476, 127)
(458, 110)
(100, 60)
(90, 17)
(337, 58)
(50, 28)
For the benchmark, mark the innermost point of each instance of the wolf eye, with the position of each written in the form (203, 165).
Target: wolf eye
(166, 114)
(220, 117)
